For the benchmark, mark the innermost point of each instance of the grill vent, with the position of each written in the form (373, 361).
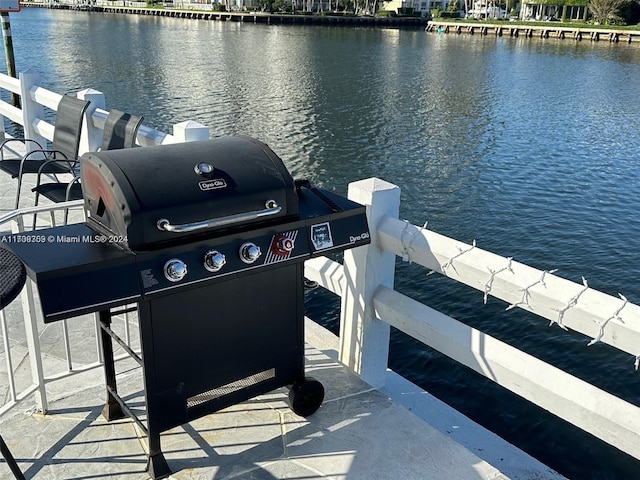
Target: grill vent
(231, 387)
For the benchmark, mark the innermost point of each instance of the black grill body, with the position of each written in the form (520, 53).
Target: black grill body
(249, 340)
(224, 331)
(126, 192)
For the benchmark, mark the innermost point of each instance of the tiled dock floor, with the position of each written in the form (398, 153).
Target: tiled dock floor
(358, 433)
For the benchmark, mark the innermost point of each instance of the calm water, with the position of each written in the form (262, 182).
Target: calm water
(530, 147)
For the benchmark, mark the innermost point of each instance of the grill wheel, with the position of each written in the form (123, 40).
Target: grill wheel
(306, 396)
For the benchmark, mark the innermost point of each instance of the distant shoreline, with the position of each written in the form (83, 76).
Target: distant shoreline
(248, 17)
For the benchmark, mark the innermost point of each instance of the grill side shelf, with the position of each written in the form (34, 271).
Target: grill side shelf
(77, 272)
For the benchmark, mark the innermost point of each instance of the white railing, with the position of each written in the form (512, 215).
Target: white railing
(370, 306)
(16, 220)
(36, 101)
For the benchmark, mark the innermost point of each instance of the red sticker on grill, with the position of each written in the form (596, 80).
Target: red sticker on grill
(281, 247)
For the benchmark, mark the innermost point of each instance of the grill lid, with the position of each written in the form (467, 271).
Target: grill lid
(147, 196)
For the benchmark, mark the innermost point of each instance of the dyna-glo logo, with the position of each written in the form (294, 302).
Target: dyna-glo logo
(357, 238)
(214, 184)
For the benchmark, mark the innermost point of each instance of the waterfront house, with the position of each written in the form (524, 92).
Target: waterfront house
(423, 7)
(487, 10)
(563, 10)
(534, 10)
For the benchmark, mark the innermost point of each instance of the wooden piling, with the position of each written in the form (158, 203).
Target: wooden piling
(8, 52)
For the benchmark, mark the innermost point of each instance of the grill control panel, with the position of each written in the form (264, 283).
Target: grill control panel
(217, 258)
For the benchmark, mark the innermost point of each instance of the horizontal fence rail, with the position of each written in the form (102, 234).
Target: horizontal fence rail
(602, 317)
(37, 100)
(606, 416)
(609, 319)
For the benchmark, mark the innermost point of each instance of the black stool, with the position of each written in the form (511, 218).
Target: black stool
(12, 278)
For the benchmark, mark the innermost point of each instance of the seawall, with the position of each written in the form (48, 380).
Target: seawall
(560, 31)
(248, 17)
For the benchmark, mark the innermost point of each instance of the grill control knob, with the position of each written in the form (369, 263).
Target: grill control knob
(175, 270)
(249, 252)
(214, 260)
(284, 245)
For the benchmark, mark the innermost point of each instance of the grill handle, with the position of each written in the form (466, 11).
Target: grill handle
(272, 208)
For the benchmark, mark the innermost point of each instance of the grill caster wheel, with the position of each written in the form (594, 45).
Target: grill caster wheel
(306, 396)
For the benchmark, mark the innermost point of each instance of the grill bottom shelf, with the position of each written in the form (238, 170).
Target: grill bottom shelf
(230, 388)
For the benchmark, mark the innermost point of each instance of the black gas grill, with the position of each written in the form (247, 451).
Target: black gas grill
(209, 240)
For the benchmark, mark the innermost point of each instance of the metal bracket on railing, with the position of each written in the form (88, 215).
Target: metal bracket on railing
(615, 316)
(571, 303)
(525, 291)
(489, 284)
(406, 249)
(459, 254)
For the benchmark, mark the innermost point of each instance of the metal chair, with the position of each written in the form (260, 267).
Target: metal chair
(12, 278)
(120, 131)
(63, 155)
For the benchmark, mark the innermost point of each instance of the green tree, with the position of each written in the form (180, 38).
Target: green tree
(265, 5)
(281, 6)
(630, 12)
(606, 12)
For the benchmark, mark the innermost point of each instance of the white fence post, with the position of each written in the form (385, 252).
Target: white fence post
(2, 130)
(364, 340)
(30, 110)
(190, 131)
(91, 138)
